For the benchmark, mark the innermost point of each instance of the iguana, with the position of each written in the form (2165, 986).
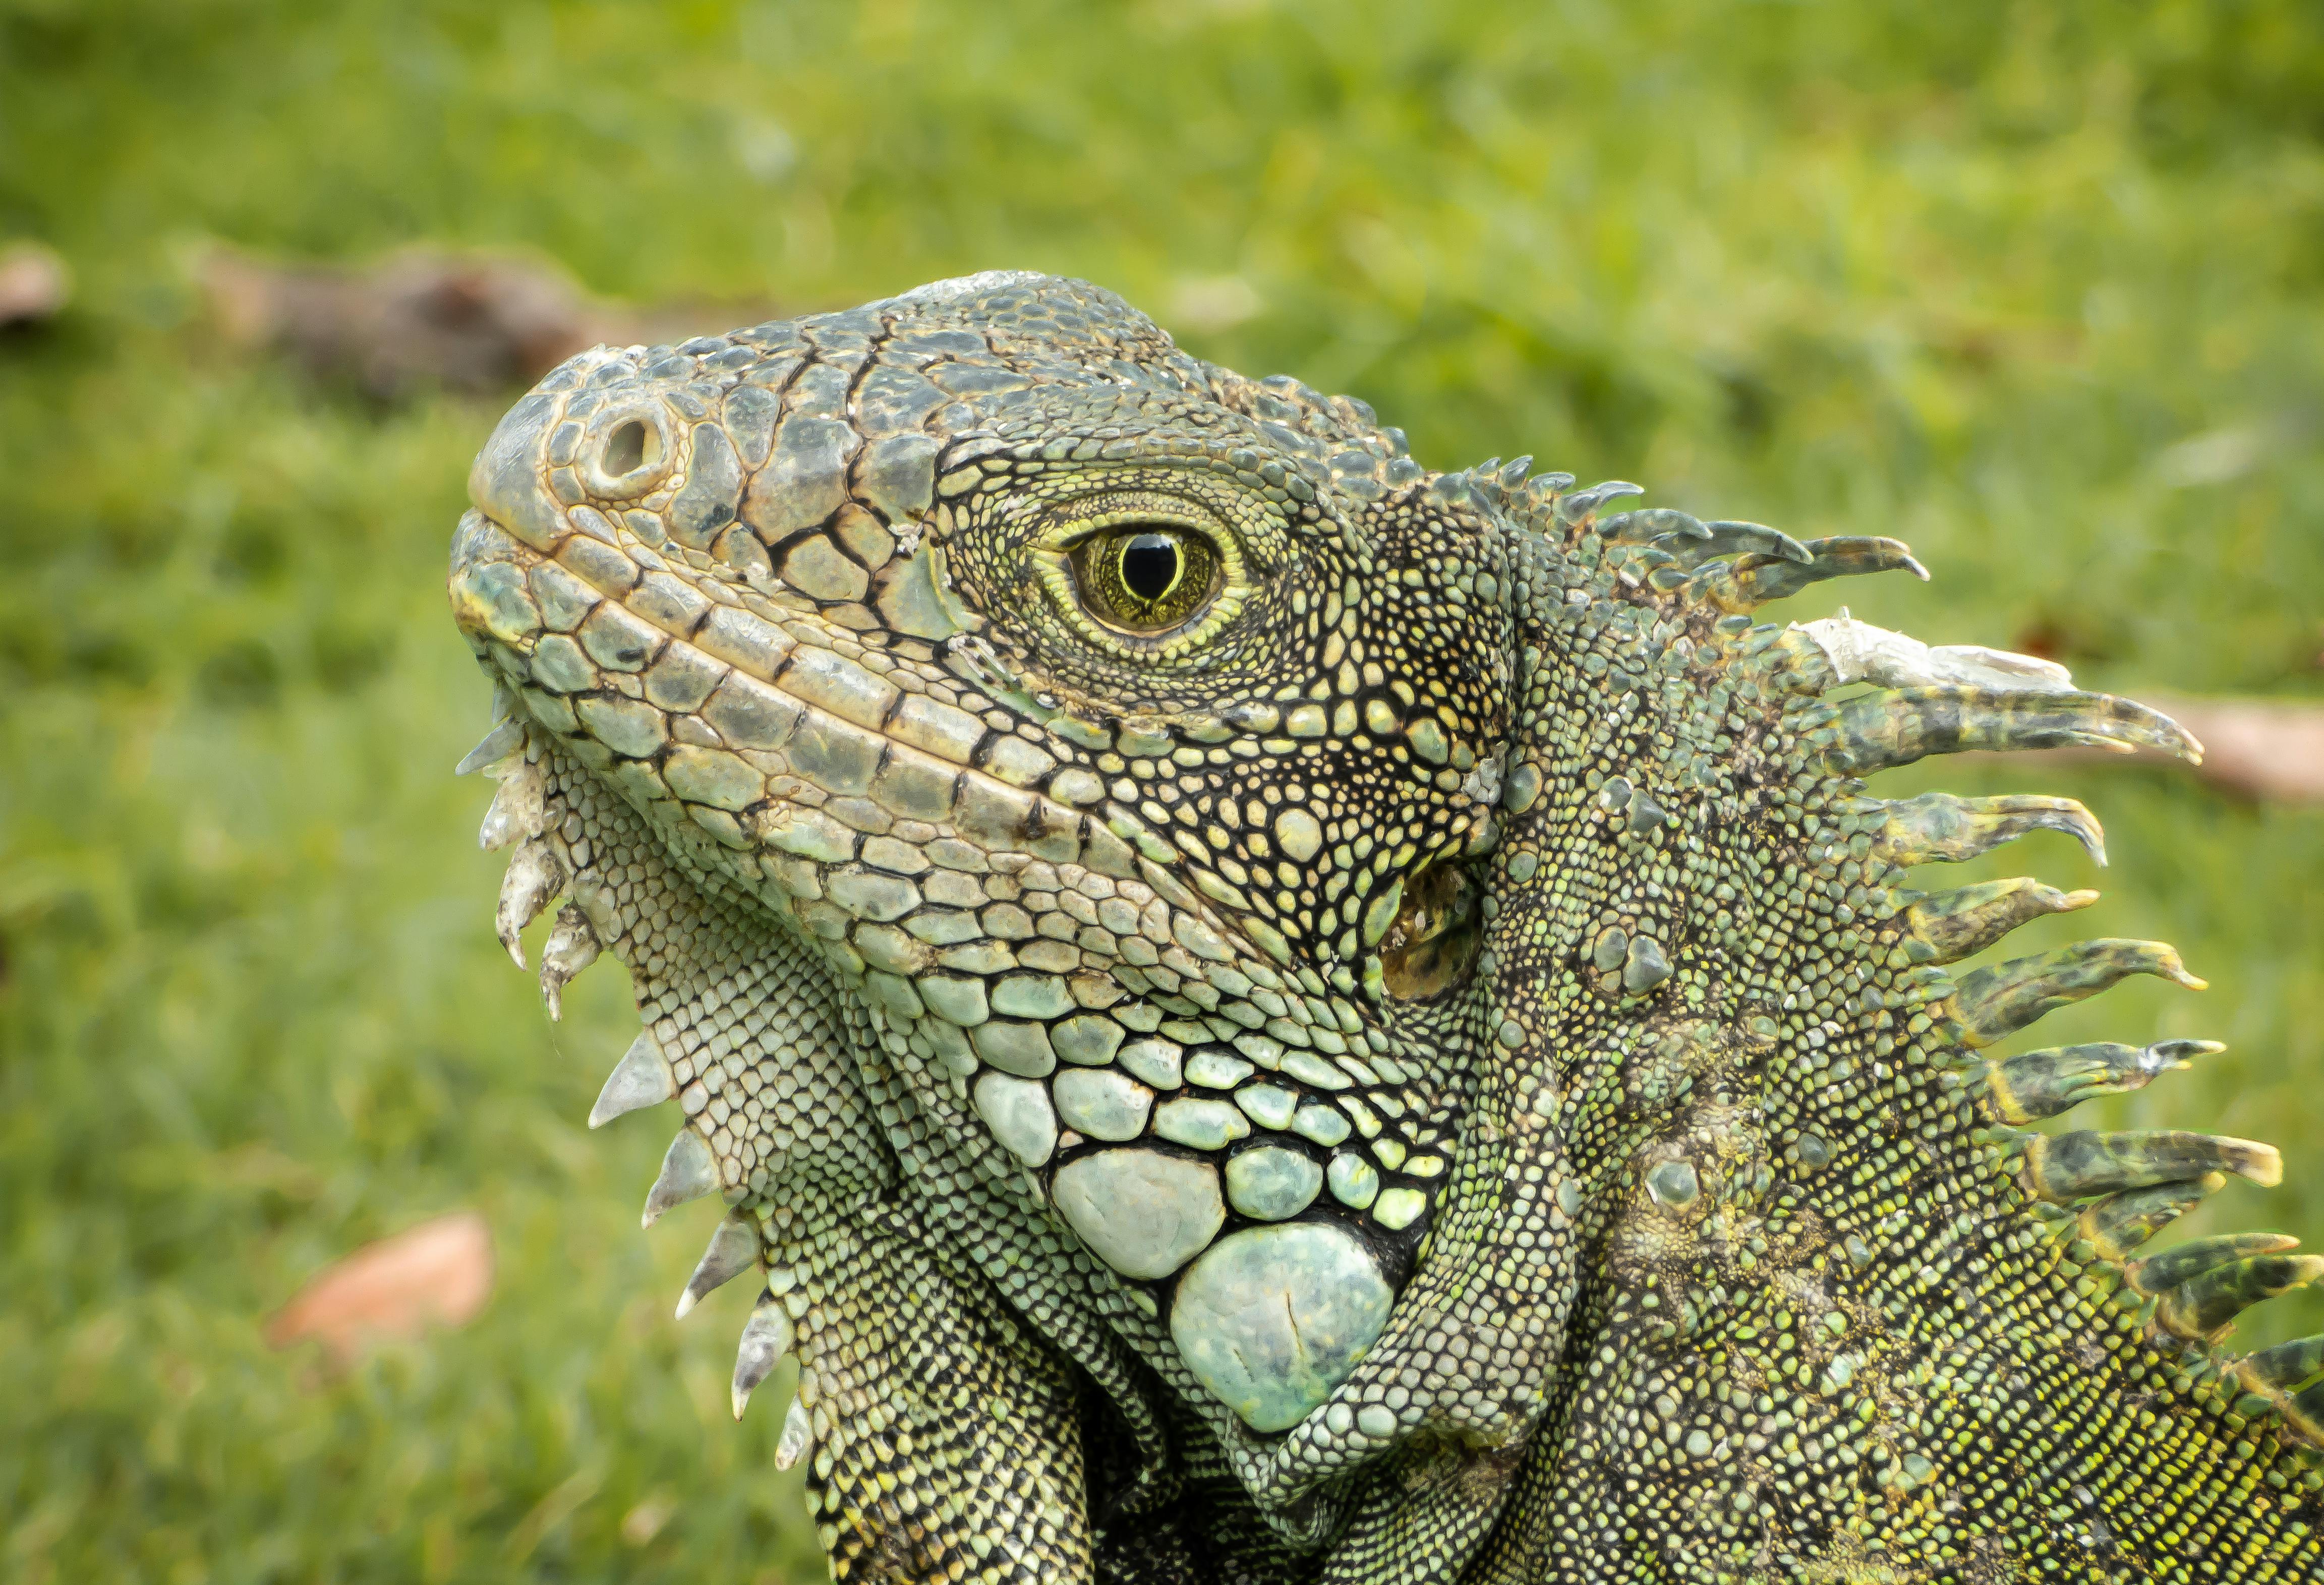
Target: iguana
(1267, 1014)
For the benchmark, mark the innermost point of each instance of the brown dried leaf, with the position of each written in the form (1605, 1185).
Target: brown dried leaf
(472, 322)
(439, 1272)
(34, 283)
(2268, 749)
(2261, 749)
(423, 317)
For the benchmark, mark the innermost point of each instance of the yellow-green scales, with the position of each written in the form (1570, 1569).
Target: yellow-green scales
(1267, 1014)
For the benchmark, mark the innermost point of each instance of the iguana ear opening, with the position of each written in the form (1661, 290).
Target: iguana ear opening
(1431, 947)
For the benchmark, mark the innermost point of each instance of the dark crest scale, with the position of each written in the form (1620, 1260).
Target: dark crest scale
(1262, 1013)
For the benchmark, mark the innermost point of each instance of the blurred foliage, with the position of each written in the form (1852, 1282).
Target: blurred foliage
(2035, 287)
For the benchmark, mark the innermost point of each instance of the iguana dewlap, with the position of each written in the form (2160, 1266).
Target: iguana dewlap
(1263, 1013)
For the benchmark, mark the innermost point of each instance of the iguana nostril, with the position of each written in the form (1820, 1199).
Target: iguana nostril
(628, 451)
(625, 449)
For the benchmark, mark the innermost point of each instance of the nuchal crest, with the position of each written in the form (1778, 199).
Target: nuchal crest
(1263, 1013)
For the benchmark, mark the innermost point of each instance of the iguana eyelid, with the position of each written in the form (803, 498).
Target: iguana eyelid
(1078, 531)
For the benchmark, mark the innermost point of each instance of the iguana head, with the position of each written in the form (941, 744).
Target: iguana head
(1117, 729)
(1398, 955)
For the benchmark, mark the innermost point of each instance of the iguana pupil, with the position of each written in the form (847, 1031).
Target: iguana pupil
(1144, 578)
(1150, 565)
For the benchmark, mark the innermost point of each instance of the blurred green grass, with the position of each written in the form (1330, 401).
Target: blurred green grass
(2036, 288)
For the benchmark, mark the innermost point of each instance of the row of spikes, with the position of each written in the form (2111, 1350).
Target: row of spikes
(1739, 566)
(1939, 699)
(1936, 700)
(1951, 699)
(1947, 699)
(2104, 1194)
(640, 1079)
(1735, 565)
(2124, 1186)
(2135, 1182)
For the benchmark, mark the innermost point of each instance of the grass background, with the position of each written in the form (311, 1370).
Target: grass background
(2036, 288)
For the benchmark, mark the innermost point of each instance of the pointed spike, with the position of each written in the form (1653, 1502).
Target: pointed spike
(1991, 1004)
(2202, 1308)
(1581, 505)
(1882, 730)
(1859, 652)
(733, 1250)
(2160, 1273)
(534, 877)
(1978, 665)
(640, 1080)
(2120, 1223)
(1940, 828)
(2066, 1168)
(1955, 925)
(1650, 525)
(797, 1438)
(687, 1172)
(2285, 1367)
(1728, 537)
(1759, 577)
(520, 808)
(2027, 1088)
(1513, 476)
(572, 946)
(767, 1337)
(506, 739)
(2169, 1056)
(2306, 1412)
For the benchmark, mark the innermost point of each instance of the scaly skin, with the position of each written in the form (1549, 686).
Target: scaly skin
(1417, 1067)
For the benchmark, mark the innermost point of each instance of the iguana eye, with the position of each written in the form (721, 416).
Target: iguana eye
(1145, 577)
(1142, 575)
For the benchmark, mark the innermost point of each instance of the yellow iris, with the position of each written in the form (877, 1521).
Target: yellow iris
(1146, 577)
